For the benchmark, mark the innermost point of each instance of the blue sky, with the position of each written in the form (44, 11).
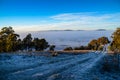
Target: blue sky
(32, 15)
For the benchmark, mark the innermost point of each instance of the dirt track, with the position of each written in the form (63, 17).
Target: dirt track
(61, 67)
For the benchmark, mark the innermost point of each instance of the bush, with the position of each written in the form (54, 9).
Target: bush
(82, 48)
(100, 48)
(68, 49)
(54, 54)
(52, 47)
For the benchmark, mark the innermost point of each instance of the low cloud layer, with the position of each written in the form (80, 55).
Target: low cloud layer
(75, 21)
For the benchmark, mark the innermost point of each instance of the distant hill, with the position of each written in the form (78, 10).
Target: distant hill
(61, 30)
(64, 30)
(80, 30)
(68, 30)
(73, 30)
(101, 30)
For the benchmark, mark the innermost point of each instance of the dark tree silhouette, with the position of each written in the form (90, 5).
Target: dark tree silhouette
(27, 42)
(52, 47)
(40, 44)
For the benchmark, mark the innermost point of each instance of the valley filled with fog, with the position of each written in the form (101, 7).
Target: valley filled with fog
(64, 39)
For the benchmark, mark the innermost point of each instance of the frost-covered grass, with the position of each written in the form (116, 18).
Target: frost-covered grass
(103, 71)
(62, 67)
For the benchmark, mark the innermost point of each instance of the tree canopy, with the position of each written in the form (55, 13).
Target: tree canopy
(93, 44)
(27, 42)
(10, 41)
(97, 44)
(115, 44)
(40, 44)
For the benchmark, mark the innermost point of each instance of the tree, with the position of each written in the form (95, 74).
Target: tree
(2, 45)
(36, 43)
(103, 40)
(68, 49)
(82, 48)
(11, 42)
(19, 45)
(52, 47)
(6, 30)
(27, 42)
(93, 44)
(115, 45)
(43, 44)
(8, 39)
(98, 44)
(40, 44)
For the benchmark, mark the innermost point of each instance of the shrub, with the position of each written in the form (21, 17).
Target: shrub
(100, 48)
(68, 49)
(52, 47)
(82, 48)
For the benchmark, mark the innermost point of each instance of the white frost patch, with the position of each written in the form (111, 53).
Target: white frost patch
(100, 56)
(22, 71)
(37, 75)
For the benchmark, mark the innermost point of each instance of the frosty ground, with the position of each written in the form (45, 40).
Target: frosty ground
(87, 66)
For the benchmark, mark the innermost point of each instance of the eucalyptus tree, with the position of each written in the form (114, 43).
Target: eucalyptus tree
(8, 39)
(11, 42)
(103, 40)
(27, 42)
(51, 47)
(93, 44)
(115, 44)
(40, 44)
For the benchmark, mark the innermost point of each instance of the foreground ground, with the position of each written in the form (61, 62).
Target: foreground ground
(62, 67)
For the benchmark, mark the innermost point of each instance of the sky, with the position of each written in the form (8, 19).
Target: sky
(36, 15)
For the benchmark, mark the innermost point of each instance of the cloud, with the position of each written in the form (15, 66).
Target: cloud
(75, 21)
(85, 16)
(88, 20)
